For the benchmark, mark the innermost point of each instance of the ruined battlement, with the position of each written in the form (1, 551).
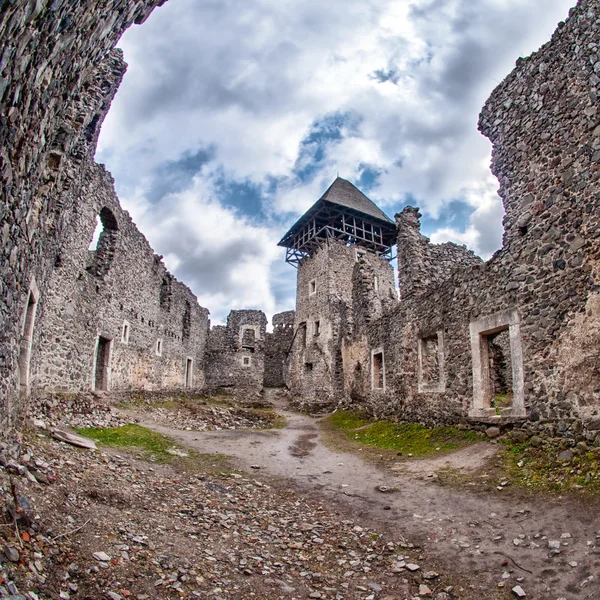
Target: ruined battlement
(421, 264)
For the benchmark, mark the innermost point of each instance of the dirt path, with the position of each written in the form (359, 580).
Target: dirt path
(551, 548)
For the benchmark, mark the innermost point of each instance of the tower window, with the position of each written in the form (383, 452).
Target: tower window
(317, 328)
(159, 346)
(312, 287)
(125, 332)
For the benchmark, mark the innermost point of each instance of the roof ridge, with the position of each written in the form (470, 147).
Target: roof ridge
(345, 193)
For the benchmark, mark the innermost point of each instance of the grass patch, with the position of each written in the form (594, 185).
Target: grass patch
(153, 445)
(408, 438)
(540, 468)
(344, 420)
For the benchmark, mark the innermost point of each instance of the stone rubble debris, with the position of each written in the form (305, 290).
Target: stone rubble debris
(115, 527)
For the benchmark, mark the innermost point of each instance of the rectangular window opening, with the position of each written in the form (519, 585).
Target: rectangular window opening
(376, 283)
(312, 287)
(500, 379)
(158, 347)
(248, 339)
(308, 367)
(377, 370)
(125, 333)
(246, 361)
(317, 328)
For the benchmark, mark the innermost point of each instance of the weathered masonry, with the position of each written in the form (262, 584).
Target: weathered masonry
(342, 247)
(58, 74)
(114, 317)
(512, 340)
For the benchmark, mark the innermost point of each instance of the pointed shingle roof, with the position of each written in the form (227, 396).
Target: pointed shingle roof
(345, 213)
(342, 192)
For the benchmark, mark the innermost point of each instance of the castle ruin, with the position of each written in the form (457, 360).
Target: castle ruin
(512, 341)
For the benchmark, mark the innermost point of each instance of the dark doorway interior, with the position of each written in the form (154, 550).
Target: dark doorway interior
(102, 364)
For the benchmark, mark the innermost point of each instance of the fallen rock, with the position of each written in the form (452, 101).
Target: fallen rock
(519, 592)
(12, 554)
(493, 432)
(101, 556)
(74, 440)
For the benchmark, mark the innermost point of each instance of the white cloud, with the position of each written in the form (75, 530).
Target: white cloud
(220, 254)
(248, 80)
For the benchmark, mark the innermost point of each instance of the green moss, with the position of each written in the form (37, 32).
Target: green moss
(344, 419)
(408, 438)
(539, 467)
(152, 444)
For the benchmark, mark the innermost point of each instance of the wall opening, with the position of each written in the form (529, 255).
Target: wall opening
(246, 361)
(248, 339)
(101, 256)
(302, 334)
(376, 283)
(377, 370)
(498, 387)
(308, 367)
(159, 347)
(431, 363)
(102, 364)
(317, 328)
(27, 341)
(312, 287)
(166, 293)
(125, 330)
(189, 372)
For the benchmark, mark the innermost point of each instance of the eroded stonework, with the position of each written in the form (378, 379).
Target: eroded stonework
(513, 340)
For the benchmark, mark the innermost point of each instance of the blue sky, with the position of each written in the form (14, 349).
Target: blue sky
(235, 116)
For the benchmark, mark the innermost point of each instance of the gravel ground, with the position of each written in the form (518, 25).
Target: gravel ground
(94, 525)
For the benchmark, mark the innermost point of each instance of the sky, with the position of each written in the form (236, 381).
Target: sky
(235, 116)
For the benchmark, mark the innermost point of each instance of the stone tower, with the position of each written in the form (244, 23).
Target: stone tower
(342, 247)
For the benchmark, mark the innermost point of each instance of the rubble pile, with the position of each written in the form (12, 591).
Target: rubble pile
(75, 410)
(202, 415)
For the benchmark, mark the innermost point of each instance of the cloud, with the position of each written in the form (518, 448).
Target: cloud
(238, 115)
(225, 258)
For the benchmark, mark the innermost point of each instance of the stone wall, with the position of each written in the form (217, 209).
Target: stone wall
(235, 357)
(541, 288)
(340, 289)
(155, 330)
(277, 347)
(53, 55)
(421, 264)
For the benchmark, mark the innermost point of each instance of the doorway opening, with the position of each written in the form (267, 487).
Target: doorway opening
(377, 370)
(189, 368)
(498, 386)
(102, 372)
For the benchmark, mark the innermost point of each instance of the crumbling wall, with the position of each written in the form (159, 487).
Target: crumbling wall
(277, 347)
(53, 55)
(422, 264)
(114, 292)
(540, 292)
(235, 357)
